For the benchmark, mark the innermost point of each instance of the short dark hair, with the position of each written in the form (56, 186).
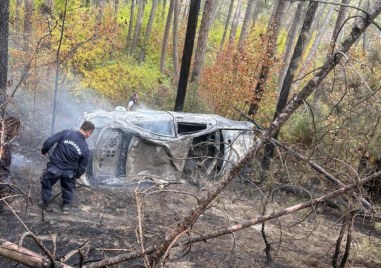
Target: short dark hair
(87, 125)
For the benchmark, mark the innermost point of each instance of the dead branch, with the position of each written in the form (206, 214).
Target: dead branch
(25, 256)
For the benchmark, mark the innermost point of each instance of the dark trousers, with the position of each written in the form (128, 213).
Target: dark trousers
(50, 176)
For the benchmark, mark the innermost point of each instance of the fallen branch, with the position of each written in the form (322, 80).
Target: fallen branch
(25, 256)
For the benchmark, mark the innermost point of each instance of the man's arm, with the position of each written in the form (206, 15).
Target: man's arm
(51, 141)
(82, 165)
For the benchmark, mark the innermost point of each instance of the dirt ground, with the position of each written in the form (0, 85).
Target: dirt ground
(107, 219)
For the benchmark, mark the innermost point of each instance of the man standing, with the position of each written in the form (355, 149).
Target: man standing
(67, 163)
(133, 102)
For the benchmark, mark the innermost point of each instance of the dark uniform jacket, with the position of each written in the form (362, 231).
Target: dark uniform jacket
(71, 152)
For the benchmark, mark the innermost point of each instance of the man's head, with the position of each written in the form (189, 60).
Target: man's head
(87, 128)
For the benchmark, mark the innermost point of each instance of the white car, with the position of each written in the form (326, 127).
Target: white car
(128, 147)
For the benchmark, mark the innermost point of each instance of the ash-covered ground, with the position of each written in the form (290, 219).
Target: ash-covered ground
(107, 219)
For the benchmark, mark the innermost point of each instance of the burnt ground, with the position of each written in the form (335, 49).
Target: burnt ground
(107, 219)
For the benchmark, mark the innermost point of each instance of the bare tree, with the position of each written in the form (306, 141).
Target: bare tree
(4, 32)
(339, 24)
(234, 27)
(149, 29)
(176, 8)
(246, 22)
(227, 23)
(130, 25)
(270, 46)
(206, 22)
(139, 20)
(62, 30)
(290, 42)
(187, 54)
(284, 92)
(166, 36)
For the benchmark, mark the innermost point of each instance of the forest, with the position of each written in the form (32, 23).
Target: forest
(305, 74)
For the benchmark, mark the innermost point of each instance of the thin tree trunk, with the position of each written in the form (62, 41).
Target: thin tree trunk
(4, 33)
(234, 27)
(116, 8)
(246, 22)
(206, 22)
(58, 68)
(364, 38)
(166, 36)
(28, 9)
(17, 15)
(338, 25)
(138, 25)
(187, 54)
(130, 25)
(256, 11)
(290, 42)
(176, 7)
(283, 95)
(272, 35)
(315, 45)
(227, 23)
(148, 30)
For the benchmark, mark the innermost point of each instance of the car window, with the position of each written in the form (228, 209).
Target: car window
(158, 127)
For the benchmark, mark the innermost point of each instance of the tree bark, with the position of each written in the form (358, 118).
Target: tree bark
(292, 68)
(4, 33)
(338, 25)
(268, 55)
(246, 22)
(148, 30)
(139, 20)
(166, 36)
(206, 22)
(234, 27)
(290, 42)
(187, 54)
(315, 45)
(175, 37)
(58, 62)
(227, 23)
(130, 25)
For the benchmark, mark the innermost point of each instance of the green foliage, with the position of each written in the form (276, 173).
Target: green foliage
(299, 128)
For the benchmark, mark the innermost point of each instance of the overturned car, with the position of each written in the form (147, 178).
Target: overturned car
(128, 147)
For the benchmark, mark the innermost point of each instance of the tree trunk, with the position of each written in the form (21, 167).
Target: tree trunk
(227, 23)
(176, 7)
(364, 38)
(272, 35)
(130, 25)
(283, 95)
(290, 42)
(234, 27)
(28, 9)
(315, 45)
(101, 9)
(256, 11)
(116, 8)
(58, 62)
(17, 15)
(148, 30)
(139, 20)
(187, 54)
(339, 23)
(246, 22)
(206, 22)
(166, 36)
(4, 33)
